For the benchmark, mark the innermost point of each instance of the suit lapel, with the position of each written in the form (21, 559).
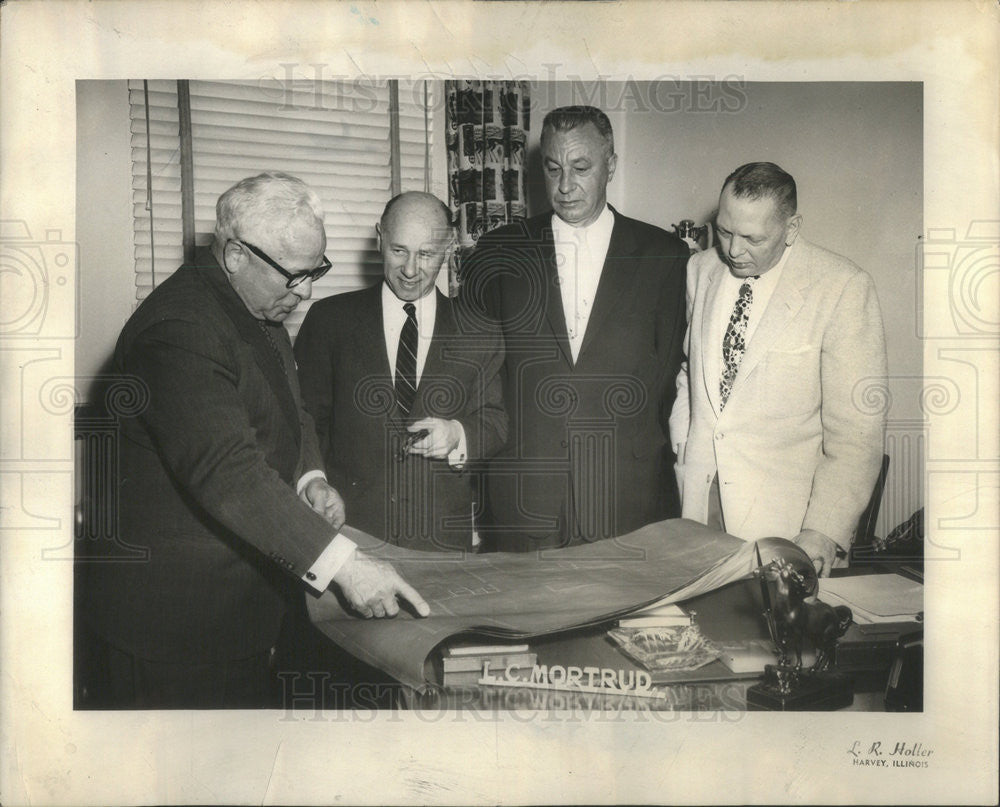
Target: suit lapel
(554, 313)
(785, 303)
(369, 343)
(251, 332)
(616, 279)
(434, 367)
(708, 337)
(369, 333)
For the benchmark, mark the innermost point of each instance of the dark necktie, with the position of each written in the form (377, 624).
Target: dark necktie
(734, 342)
(406, 362)
(275, 350)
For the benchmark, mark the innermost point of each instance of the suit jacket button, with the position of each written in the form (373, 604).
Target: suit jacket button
(310, 576)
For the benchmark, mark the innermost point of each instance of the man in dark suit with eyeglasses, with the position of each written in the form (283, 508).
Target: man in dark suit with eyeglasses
(221, 482)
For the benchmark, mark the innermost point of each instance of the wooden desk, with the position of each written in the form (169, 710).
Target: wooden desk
(731, 613)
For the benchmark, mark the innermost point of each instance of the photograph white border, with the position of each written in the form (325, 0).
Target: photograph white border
(53, 755)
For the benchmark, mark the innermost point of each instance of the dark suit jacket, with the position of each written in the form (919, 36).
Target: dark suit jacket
(589, 455)
(347, 387)
(207, 475)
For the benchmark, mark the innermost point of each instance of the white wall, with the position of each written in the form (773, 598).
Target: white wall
(856, 152)
(106, 284)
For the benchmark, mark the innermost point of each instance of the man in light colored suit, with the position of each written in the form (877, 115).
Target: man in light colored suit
(770, 441)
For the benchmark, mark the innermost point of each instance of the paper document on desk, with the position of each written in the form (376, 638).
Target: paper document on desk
(874, 597)
(513, 596)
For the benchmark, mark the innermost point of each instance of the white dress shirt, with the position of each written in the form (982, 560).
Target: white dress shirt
(725, 300)
(321, 573)
(393, 319)
(580, 255)
(336, 554)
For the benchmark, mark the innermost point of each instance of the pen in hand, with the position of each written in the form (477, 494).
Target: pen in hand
(408, 442)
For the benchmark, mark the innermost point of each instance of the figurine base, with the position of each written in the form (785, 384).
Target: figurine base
(808, 692)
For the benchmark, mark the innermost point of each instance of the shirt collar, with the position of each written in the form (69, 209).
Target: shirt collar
(601, 227)
(426, 305)
(781, 261)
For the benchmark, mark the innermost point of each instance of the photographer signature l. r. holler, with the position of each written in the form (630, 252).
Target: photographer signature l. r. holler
(892, 754)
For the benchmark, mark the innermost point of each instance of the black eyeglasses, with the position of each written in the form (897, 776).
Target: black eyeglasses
(292, 279)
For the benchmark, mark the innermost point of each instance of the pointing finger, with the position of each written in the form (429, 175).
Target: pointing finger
(409, 593)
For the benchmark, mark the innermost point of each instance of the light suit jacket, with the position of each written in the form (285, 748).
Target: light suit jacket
(798, 445)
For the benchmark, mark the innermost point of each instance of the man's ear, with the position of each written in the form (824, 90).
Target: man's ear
(612, 164)
(233, 257)
(792, 229)
(378, 236)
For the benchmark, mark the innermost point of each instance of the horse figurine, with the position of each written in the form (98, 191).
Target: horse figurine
(796, 620)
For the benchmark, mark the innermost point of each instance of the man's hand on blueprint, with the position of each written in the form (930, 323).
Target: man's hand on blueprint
(372, 586)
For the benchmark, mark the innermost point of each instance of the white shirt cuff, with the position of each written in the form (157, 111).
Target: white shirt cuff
(458, 457)
(308, 477)
(336, 554)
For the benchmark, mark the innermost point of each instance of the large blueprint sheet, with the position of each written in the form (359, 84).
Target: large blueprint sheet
(515, 595)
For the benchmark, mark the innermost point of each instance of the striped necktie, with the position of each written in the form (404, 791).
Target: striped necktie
(406, 362)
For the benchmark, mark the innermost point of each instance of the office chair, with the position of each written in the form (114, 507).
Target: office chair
(865, 531)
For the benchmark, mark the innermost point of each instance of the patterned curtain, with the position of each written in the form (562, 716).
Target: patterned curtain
(486, 125)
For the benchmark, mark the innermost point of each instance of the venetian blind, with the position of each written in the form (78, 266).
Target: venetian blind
(333, 135)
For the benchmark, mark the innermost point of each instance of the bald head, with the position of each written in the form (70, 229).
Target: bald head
(416, 203)
(414, 237)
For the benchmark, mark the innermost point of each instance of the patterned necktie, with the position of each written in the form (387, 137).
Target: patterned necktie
(275, 350)
(406, 361)
(734, 342)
